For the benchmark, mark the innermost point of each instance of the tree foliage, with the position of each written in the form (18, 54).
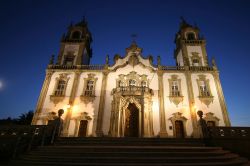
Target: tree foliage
(23, 119)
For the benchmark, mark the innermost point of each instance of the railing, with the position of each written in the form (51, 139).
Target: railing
(83, 67)
(229, 132)
(172, 68)
(190, 68)
(136, 90)
(193, 41)
(200, 68)
(235, 139)
(16, 139)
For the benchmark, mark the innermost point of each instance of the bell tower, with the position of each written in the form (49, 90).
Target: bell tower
(75, 46)
(190, 47)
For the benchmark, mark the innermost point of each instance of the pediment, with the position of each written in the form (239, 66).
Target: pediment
(133, 57)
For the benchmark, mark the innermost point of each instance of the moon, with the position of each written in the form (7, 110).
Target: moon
(1, 85)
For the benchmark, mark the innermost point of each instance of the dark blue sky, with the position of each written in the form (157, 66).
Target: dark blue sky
(30, 32)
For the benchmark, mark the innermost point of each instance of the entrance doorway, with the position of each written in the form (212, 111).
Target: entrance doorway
(179, 129)
(131, 121)
(83, 128)
(210, 123)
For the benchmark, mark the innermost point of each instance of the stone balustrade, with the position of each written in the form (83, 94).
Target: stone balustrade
(133, 90)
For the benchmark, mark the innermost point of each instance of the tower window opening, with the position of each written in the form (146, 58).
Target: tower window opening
(190, 36)
(76, 35)
(60, 88)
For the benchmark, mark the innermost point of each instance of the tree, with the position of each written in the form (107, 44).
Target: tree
(25, 118)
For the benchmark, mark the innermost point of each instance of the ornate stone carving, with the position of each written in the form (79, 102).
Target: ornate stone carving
(175, 93)
(133, 60)
(90, 96)
(205, 95)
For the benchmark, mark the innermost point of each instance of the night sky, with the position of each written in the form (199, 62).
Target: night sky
(30, 32)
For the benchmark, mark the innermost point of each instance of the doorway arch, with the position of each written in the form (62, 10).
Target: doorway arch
(131, 127)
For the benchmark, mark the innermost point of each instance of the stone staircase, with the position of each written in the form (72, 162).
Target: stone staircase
(129, 152)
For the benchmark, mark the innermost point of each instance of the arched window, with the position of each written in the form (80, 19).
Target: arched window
(89, 88)
(190, 36)
(132, 83)
(76, 35)
(61, 86)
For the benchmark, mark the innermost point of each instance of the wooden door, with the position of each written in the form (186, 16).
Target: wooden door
(179, 129)
(131, 121)
(210, 123)
(83, 128)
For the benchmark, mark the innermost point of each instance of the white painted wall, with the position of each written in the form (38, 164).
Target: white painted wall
(171, 108)
(214, 107)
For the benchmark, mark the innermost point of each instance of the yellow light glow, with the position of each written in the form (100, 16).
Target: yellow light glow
(155, 105)
(75, 108)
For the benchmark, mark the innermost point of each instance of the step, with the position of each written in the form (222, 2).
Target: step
(236, 162)
(134, 159)
(155, 154)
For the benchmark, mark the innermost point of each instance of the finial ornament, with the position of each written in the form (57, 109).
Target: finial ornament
(158, 60)
(107, 59)
(52, 59)
(214, 64)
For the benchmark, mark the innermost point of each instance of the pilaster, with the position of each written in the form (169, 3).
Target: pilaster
(42, 96)
(71, 103)
(221, 98)
(99, 131)
(196, 133)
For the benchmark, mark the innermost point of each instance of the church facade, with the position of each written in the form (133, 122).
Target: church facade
(133, 97)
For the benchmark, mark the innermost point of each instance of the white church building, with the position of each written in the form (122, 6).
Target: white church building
(134, 97)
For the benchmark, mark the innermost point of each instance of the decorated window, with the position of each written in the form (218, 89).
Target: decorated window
(204, 90)
(175, 88)
(132, 83)
(175, 94)
(90, 88)
(89, 85)
(60, 88)
(195, 59)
